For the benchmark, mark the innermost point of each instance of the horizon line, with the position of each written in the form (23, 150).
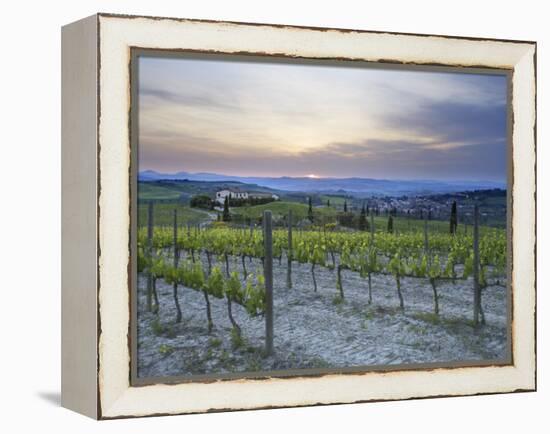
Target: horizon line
(320, 177)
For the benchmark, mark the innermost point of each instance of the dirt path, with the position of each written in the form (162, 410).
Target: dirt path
(317, 330)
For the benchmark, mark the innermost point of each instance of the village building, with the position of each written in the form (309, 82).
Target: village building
(231, 193)
(240, 194)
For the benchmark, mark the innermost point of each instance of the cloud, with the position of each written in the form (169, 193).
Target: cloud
(452, 123)
(259, 118)
(410, 159)
(383, 159)
(192, 100)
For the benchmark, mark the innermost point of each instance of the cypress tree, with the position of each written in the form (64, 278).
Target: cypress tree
(390, 224)
(345, 206)
(310, 210)
(328, 203)
(453, 221)
(226, 215)
(363, 219)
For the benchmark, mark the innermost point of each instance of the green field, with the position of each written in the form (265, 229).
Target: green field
(334, 200)
(324, 215)
(163, 214)
(404, 224)
(280, 210)
(148, 191)
(170, 190)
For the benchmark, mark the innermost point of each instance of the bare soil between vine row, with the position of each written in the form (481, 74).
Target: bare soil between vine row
(316, 330)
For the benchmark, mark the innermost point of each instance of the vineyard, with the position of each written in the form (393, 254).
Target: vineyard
(248, 293)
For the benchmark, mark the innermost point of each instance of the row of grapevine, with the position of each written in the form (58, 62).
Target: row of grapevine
(224, 242)
(254, 293)
(250, 295)
(436, 258)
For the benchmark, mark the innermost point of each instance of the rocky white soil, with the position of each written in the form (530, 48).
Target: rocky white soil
(318, 330)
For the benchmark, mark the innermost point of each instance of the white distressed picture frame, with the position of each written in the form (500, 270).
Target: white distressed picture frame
(96, 218)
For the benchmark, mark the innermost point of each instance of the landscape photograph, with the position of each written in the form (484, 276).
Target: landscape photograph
(307, 217)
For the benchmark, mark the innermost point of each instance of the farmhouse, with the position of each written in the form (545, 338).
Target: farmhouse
(239, 194)
(232, 193)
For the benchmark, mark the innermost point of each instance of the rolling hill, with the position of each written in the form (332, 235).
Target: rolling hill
(360, 187)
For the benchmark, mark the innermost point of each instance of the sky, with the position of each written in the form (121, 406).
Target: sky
(251, 118)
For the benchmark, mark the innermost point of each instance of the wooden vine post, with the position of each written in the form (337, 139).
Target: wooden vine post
(289, 252)
(268, 275)
(149, 254)
(426, 244)
(176, 261)
(477, 289)
(372, 228)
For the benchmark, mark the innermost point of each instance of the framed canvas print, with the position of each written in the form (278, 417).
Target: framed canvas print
(262, 216)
